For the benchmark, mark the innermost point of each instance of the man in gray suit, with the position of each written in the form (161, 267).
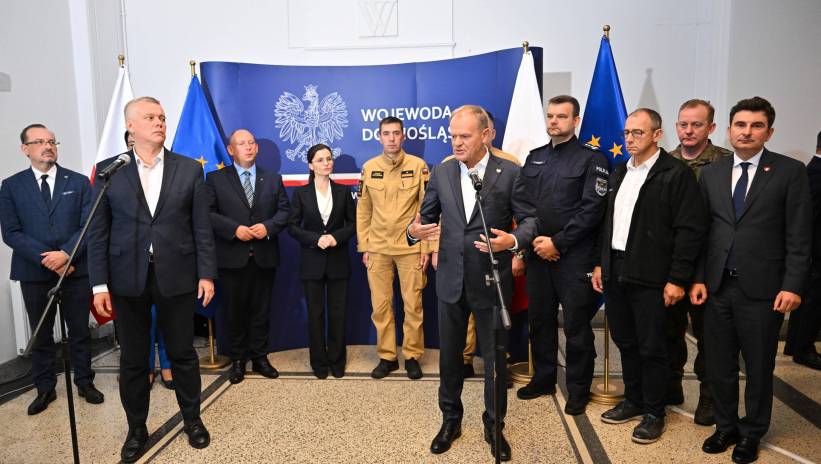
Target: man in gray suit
(462, 266)
(753, 269)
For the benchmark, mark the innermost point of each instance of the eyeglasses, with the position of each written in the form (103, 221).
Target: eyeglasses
(636, 133)
(39, 142)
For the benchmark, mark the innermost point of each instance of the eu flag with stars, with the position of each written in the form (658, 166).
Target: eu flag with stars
(605, 112)
(197, 137)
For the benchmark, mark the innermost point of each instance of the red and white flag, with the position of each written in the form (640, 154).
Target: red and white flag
(112, 142)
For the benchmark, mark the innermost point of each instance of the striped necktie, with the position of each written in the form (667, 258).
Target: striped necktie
(249, 189)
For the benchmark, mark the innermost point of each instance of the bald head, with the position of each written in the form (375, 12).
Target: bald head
(243, 148)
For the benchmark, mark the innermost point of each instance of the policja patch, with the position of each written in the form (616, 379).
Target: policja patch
(601, 186)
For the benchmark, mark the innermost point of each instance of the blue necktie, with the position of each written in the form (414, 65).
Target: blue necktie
(249, 190)
(739, 194)
(45, 190)
(740, 191)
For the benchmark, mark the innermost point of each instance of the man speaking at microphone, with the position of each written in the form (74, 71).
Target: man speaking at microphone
(151, 243)
(451, 196)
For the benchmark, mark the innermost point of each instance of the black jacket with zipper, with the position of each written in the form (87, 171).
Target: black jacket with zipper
(667, 229)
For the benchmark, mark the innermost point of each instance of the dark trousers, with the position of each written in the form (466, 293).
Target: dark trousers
(549, 284)
(453, 322)
(76, 296)
(677, 342)
(734, 322)
(806, 320)
(175, 316)
(247, 296)
(637, 318)
(335, 291)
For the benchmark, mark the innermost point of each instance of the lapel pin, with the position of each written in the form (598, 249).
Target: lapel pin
(498, 170)
(767, 168)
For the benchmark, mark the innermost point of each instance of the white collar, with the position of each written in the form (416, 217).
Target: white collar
(754, 160)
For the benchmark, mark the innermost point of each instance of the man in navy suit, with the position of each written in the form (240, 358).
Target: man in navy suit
(249, 208)
(42, 210)
(752, 270)
(151, 243)
(462, 267)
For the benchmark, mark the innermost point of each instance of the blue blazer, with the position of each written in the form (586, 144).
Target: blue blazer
(31, 228)
(179, 230)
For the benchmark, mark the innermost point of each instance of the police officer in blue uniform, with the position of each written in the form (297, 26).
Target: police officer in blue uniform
(569, 179)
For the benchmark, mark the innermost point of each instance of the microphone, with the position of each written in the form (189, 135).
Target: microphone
(109, 170)
(474, 177)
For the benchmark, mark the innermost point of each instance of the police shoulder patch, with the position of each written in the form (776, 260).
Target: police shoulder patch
(601, 186)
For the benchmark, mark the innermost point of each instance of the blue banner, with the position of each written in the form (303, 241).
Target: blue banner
(605, 112)
(290, 108)
(197, 137)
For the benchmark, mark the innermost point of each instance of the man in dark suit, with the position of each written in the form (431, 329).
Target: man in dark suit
(42, 228)
(249, 208)
(806, 320)
(752, 270)
(450, 196)
(652, 232)
(151, 243)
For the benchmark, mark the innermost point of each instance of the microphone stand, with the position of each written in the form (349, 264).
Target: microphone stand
(55, 302)
(499, 365)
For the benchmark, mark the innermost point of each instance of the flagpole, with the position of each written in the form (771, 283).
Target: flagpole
(193, 65)
(610, 391)
(522, 372)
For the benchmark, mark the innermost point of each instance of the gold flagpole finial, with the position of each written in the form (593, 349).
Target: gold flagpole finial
(526, 46)
(121, 60)
(193, 65)
(606, 29)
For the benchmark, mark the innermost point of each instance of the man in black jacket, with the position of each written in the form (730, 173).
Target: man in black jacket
(652, 233)
(249, 208)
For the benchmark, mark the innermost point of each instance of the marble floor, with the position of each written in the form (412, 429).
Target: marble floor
(300, 419)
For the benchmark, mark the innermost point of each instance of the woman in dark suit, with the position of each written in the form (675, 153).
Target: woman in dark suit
(323, 219)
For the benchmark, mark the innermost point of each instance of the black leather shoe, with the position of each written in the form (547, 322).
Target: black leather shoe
(531, 391)
(413, 369)
(704, 411)
(450, 431)
(384, 368)
(576, 406)
(719, 442)
(623, 412)
(321, 372)
(468, 371)
(746, 451)
(338, 371)
(169, 384)
(674, 395)
(237, 372)
(810, 359)
(264, 368)
(198, 436)
(90, 393)
(41, 402)
(649, 429)
(504, 446)
(134, 445)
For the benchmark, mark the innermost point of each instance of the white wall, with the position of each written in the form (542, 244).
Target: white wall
(63, 65)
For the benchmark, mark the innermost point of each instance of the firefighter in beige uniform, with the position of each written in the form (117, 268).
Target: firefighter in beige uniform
(391, 188)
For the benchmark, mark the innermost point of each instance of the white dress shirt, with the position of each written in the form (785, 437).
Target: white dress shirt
(324, 202)
(751, 169)
(468, 192)
(626, 200)
(52, 175)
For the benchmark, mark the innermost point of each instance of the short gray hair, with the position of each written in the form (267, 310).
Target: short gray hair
(137, 100)
(476, 110)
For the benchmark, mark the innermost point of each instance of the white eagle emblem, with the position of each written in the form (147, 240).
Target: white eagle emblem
(321, 122)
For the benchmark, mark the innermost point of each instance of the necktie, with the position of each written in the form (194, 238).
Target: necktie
(45, 190)
(740, 191)
(246, 185)
(739, 194)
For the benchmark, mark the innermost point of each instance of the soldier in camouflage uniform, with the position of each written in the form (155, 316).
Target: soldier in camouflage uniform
(694, 126)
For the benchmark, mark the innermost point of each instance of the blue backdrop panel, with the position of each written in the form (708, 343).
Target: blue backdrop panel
(256, 97)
